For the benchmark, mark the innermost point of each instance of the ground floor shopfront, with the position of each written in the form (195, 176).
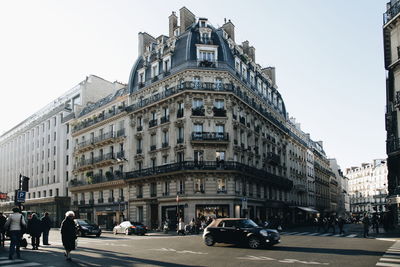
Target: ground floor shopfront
(55, 206)
(155, 212)
(105, 215)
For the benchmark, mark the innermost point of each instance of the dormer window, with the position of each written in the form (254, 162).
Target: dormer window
(203, 23)
(154, 70)
(207, 56)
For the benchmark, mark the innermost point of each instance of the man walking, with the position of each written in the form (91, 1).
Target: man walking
(46, 225)
(366, 224)
(16, 224)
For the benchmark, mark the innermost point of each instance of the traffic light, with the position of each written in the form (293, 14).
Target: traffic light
(24, 183)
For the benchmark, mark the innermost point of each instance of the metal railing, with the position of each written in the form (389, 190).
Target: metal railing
(210, 136)
(99, 118)
(391, 12)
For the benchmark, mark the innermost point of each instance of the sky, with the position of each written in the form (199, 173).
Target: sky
(328, 57)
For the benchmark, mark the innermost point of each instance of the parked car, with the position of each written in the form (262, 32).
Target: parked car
(239, 231)
(85, 228)
(129, 228)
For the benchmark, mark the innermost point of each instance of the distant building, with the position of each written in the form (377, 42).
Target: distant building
(391, 40)
(368, 187)
(342, 196)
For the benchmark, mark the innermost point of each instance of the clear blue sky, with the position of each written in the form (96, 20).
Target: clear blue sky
(328, 57)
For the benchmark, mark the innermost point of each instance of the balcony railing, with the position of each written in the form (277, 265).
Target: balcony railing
(100, 200)
(179, 140)
(108, 156)
(153, 147)
(110, 200)
(165, 119)
(207, 64)
(213, 165)
(99, 118)
(103, 137)
(139, 128)
(165, 144)
(210, 136)
(199, 111)
(206, 86)
(152, 123)
(391, 12)
(242, 120)
(219, 112)
(120, 154)
(139, 151)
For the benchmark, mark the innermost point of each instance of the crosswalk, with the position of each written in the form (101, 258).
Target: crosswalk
(5, 262)
(391, 258)
(319, 234)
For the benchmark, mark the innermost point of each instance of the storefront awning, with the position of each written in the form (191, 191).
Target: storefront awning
(310, 210)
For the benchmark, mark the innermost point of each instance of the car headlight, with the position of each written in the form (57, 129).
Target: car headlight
(84, 228)
(264, 233)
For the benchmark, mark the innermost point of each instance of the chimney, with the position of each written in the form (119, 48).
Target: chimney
(186, 17)
(145, 39)
(173, 23)
(229, 28)
(245, 46)
(270, 72)
(252, 53)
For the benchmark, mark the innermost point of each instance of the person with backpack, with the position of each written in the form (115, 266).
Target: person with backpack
(16, 225)
(35, 230)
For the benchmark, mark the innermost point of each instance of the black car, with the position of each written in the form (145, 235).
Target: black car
(85, 228)
(239, 231)
(129, 228)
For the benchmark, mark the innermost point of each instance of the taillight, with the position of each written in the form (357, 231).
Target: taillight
(133, 226)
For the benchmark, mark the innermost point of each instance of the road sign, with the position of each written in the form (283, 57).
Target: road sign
(21, 196)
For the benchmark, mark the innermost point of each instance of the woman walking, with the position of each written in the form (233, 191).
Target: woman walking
(15, 224)
(68, 233)
(35, 230)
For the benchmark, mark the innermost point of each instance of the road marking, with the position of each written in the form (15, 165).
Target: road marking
(304, 233)
(390, 259)
(337, 235)
(353, 235)
(292, 233)
(179, 252)
(387, 264)
(314, 234)
(26, 264)
(249, 257)
(10, 261)
(262, 258)
(303, 262)
(329, 234)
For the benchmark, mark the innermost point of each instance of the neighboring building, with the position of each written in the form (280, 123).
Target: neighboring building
(322, 173)
(100, 146)
(39, 147)
(391, 38)
(368, 187)
(342, 197)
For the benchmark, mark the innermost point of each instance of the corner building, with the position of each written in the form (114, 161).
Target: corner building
(210, 136)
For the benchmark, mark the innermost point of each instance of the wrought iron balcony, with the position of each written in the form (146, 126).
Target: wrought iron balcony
(99, 118)
(391, 12)
(105, 157)
(139, 151)
(199, 111)
(234, 116)
(210, 136)
(299, 187)
(180, 113)
(91, 201)
(121, 199)
(179, 141)
(120, 154)
(153, 147)
(110, 200)
(139, 128)
(152, 123)
(219, 112)
(243, 169)
(165, 119)
(242, 120)
(207, 64)
(139, 196)
(165, 144)
(100, 200)
(82, 202)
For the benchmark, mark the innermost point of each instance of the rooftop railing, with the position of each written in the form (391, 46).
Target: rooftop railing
(391, 12)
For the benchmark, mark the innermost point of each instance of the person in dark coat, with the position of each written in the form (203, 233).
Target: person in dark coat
(46, 225)
(68, 233)
(3, 220)
(34, 230)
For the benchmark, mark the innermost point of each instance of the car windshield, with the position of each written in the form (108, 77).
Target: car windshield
(82, 222)
(137, 223)
(247, 224)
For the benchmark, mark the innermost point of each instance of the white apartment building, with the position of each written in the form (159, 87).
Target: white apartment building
(368, 187)
(39, 148)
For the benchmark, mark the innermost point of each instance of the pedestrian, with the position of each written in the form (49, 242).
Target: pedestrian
(16, 225)
(366, 224)
(375, 223)
(3, 220)
(181, 227)
(341, 223)
(34, 230)
(46, 226)
(331, 224)
(68, 234)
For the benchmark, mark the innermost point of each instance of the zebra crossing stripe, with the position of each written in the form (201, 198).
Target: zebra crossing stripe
(352, 235)
(313, 234)
(304, 233)
(10, 261)
(390, 259)
(26, 264)
(329, 234)
(387, 264)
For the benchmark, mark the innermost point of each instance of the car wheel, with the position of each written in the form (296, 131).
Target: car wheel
(115, 231)
(81, 233)
(209, 240)
(254, 242)
(126, 231)
(98, 235)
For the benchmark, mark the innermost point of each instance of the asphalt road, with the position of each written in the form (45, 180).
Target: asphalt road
(160, 250)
